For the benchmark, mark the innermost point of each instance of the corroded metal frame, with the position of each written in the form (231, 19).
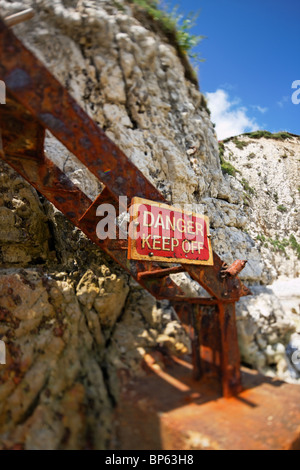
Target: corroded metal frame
(37, 101)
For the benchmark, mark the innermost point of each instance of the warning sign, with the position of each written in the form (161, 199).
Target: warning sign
(160, 232)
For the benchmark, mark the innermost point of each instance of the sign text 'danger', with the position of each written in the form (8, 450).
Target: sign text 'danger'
(164, 233)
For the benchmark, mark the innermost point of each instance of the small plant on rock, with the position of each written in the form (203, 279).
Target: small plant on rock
(281, 208)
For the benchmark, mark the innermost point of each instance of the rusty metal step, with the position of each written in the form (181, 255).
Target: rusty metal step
(168, 410)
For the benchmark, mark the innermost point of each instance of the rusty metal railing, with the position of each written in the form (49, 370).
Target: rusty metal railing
(37, 101)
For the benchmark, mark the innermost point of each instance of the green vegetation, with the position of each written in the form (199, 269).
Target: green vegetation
(281, 245)
(204, 105)
(247, 187)
(174, 24)
(281, 208)
(295, 245)
(222, 150)
(246, 199)
(278, 245)
(227, 168)
(268, 135)
(261, 238)
(240, 144)
(251, 155)
(118, 5)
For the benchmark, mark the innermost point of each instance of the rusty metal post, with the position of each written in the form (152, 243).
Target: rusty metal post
(210, 341)
(188, 315)
(195, 340)
(230, 354)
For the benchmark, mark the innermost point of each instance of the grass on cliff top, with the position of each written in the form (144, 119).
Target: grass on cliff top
(240, 144)
(258, 135)
(172, 22)
(268, 135)
(176, 28)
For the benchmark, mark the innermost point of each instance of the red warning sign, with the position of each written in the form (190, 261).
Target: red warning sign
(159, 232)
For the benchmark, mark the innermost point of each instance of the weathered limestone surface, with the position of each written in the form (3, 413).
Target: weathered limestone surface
(268, 172)
(269, 177)
(69, 316)
(24, 230)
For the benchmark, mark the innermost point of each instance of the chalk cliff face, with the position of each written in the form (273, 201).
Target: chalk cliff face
(268, 170)
(70, 316)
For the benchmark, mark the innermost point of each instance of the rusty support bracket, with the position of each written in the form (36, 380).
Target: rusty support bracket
(233, 270)
(194, 300)
(158, 273)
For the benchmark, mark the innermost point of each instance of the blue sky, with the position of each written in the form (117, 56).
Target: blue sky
(252, 52)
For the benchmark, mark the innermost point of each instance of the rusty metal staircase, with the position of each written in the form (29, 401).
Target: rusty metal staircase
(36, 101)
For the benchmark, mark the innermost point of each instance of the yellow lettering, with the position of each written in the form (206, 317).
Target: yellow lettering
(189, 246)
(200, 246)
(145, 241)
(194, 245)
(159, 221)
(190, 227)
(169, 223)
(165, 241)
(156, 239)
(182, 229)
(174, 243)
(146, 213)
